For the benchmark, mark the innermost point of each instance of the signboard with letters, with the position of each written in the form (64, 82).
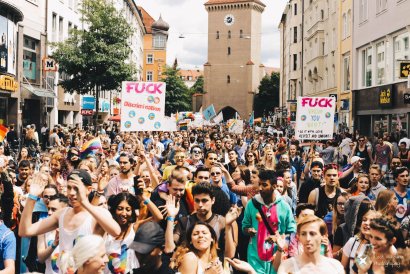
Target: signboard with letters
(315, 118)
(87, 112)
(404, 69)
(88, 102)
(49, 64)
(8, 83)
(386, 96)
(142, 106)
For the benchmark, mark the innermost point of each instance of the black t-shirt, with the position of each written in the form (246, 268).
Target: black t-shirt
(306, 188)
(338, 237)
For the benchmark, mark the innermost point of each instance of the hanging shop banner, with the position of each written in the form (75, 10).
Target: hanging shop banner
(142, 106)
(315, 118)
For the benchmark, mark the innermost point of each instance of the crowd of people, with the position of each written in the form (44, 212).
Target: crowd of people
(203, 201)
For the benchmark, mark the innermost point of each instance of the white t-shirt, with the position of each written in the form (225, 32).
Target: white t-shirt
(350, 250)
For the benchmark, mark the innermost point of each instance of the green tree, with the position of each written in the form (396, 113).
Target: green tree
(268, 97)
(198, 87)
(94, 57)
(177, 97)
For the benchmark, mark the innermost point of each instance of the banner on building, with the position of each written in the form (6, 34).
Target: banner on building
(142, 106)
(315, 118)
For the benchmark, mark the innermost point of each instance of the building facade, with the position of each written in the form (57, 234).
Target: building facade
(10, 110)
(381, 52)
(234, 69)
(291, 49)
(155, 47)
(344, 81)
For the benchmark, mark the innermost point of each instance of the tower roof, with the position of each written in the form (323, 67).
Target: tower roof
(160, 24)
(216, 2)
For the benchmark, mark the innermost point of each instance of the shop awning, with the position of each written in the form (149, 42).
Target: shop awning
(115, 118)
(41, 92)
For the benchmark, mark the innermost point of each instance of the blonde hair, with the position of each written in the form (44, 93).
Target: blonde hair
(84, 249)
(312, 219)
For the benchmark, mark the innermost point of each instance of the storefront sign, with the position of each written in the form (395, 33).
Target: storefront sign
(49, 64)
(406, 98)
(404, 69)
(315, 118)
(386, 96)
(87, 112)
(88, 102)
(8, 83)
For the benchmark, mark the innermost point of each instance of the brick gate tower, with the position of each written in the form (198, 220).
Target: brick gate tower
(233, 71)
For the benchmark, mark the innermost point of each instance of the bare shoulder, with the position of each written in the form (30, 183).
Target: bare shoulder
(190, 257)
(189, 263)
(286, 266)
(335, 264)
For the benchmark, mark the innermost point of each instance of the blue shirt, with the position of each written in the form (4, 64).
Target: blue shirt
(403, 207)
(7, 245)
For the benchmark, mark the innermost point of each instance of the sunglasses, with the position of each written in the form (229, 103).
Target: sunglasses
(49, 197)
(215, 173)
(196, 151)
(250, 155)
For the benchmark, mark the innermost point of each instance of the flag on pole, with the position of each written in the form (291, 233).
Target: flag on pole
(209, 112)
(91, 147)
(219, 118)
(252, 119)
(3, 132)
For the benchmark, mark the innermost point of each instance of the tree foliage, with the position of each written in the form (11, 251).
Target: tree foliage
(95, 57)
(268, 97)
(177, 97)
(198, 87)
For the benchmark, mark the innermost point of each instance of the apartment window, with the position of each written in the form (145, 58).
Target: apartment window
(363, 12)
(295, 61)
(229, 50)
(322, 14)
(241, 34)
(149, 76)
(295, 34)
(348, 23)
(150, 59)
(367, 67)
(217, 35)
(381, 5)
(346, 73)
(295, 9)
(229, 34)
(60, 28)
(54, 28)
(228, 79)
(344, 31)
(159, 41)
(401, 52)
(381, 64)
(30, 53)
(70, 27)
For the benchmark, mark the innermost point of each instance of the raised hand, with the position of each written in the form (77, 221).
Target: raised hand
(241, 265)
(80, 188)
(172, 209)
(232, 214)
(37, 184)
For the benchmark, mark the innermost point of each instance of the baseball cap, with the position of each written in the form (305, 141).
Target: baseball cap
(84, 176)
(354, 159)
(148, 236)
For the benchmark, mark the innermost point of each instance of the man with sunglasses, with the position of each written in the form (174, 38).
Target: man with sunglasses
(363, 150)
(196, 158)
(388, 179)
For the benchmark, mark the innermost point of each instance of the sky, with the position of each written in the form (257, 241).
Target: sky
(190, 19)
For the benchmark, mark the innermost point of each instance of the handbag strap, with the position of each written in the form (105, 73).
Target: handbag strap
(265, 220)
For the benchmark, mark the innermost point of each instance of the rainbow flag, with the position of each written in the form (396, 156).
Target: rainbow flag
(3, 132)
(91, 147)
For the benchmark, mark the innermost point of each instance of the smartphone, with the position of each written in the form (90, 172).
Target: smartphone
(138, 191)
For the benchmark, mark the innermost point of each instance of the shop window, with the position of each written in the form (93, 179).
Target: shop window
(30, 53)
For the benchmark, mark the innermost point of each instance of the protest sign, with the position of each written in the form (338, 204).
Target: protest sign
(142, 106)
(209, 112)
(219, 118)
(315, 118)
(235, 126)
(168, 124)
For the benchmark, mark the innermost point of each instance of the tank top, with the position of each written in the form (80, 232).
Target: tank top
(69, 237)
(120, 259)
(363, 154)
(325, 204)
(51, 262)
(404, 157)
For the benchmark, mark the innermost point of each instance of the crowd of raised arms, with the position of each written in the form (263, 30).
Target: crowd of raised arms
(203, 201)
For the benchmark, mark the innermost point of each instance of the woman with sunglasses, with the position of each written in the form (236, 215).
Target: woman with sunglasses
(251, 160)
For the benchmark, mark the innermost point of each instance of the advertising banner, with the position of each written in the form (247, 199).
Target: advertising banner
(3, 44)
(142, 106)
(11, 48)
(88, 102)
(315, 118)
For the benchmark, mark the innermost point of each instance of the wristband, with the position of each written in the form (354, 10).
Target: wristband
(99, 194)
(279, 249)
(53, 246)
(33, 197)
(171, 219)
(147, 201)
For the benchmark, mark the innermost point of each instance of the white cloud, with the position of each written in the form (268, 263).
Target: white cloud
(189, 18)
